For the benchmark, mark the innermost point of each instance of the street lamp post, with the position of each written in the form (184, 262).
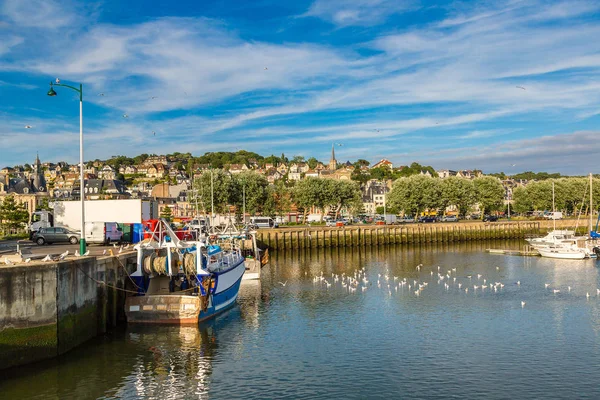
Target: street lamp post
(52, 93)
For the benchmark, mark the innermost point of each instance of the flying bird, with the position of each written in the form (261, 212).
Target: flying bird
(28, 126)
(57, 80)
(266, 68)
(339, 144)
(283, 283)
(100, 94)
(513, 165)
(520, 87)
(154, 133)
(153, 97)
(125, 116)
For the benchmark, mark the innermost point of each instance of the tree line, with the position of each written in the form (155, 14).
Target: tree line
(220, 190)
(420, 193)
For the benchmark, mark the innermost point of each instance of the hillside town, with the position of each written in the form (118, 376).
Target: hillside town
(168, 179)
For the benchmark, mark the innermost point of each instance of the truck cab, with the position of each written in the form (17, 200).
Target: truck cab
(40, 219)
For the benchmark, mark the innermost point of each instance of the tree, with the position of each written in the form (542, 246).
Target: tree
(415, 194)
(223, 190)
(458, 192)
(254, 186)
(312, 163)
(490, 193)
(12, 215)
(308, 193)
(166, 213)
(344, 194)
(361, 163)
(44, 205)
(298, 159)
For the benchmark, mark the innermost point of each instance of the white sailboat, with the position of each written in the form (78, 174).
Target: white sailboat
(562, 244)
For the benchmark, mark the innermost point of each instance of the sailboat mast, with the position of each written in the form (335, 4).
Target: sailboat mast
(591, 202)
(553, 207)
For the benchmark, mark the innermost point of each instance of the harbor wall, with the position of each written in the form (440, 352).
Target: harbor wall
(46, 309)
(377, 235)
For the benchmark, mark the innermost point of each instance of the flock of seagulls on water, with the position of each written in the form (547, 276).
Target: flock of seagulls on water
(64, 255)
(449, 280)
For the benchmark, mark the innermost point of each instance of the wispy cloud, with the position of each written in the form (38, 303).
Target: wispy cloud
(358, 12)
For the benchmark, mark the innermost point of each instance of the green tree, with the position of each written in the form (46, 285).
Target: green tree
(415, 194)
(312, 163)
(458, 192)
(255, 186)
(44, 205)
(166, 213)
(490, 193)
(12, 214)
(224, 191)
(298, 159)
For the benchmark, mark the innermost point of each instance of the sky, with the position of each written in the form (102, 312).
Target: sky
(494, 85)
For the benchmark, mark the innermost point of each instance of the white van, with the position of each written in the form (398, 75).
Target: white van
(263, 222)
(554, 215)
(103, 232)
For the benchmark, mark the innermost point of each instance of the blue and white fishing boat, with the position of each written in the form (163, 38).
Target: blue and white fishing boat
(183, 282)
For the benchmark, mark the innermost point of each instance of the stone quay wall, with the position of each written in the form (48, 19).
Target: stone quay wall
(48, 308)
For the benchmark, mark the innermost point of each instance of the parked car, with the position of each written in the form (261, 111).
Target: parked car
(427, 218)
(336, 222)
(407, 219)
(490, 218)
(449, 218)
(55, 235)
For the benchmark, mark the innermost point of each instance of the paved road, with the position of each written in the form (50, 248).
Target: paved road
(95, 250)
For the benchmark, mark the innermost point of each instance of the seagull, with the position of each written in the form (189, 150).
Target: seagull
(154, 97)
(587, 295)
(104, 252)
(57, 80)
(520, 87)
(115, 245)
(339, 144)
(556, 291)
(28, 126)
(126, 247)
(125, 116)
(120, 249)
(87, 253)
(266, 68)
(7, 261)
(47, 258)
(513, 165)
(77, 253)
(522, 304)
(518, 283)
(63, 255)
(28, 260)
(154, 133)
(101, 94)
(546, 285)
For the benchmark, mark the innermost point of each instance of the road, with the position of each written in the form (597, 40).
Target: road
(95, 250)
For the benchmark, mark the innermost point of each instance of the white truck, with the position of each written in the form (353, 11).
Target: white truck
(68, 213)
(553, 215)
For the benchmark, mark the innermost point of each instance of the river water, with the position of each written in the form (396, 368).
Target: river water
(311, 340)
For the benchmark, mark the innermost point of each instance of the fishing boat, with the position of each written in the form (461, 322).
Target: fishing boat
(180, 281)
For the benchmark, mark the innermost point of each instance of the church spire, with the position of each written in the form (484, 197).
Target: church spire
(333, 161)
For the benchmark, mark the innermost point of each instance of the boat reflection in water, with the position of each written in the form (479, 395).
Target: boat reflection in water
(173, 360)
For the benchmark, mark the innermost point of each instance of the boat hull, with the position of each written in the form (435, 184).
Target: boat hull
(576, 255)
(182, 308)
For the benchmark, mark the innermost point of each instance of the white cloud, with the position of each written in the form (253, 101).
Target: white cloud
(358, 12)
(47, 14)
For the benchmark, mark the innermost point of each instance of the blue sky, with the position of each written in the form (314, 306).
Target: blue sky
(456, 85)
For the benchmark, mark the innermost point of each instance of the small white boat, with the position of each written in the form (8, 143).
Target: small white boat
(552, 238)
(563, 252)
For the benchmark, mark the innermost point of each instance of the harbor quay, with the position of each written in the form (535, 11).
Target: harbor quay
(377, 235)
(47, 309)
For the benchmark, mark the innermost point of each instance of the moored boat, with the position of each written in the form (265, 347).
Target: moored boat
(563, 252)
(182, 282)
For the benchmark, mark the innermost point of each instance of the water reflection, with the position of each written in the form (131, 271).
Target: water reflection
(307, 340)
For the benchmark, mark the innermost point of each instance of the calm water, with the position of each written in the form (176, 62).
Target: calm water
(305, 340)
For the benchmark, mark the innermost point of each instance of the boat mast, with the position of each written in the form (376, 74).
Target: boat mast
(553, 207)
(591, 203)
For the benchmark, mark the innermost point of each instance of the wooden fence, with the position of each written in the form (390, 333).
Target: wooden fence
(351, 236)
